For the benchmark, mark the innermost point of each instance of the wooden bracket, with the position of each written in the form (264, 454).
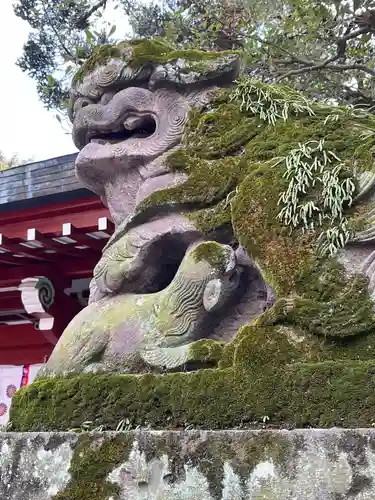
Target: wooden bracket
(37, 296)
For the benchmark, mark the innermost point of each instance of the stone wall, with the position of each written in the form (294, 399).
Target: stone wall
(310, 464)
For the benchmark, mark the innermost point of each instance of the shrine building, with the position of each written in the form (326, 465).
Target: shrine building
(52, 232)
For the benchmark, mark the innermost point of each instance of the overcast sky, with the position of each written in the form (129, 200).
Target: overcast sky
(26, 127)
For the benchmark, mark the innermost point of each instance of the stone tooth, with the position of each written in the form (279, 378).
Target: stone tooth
(99, 141)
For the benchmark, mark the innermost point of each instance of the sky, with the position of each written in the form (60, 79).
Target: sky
(26, 127)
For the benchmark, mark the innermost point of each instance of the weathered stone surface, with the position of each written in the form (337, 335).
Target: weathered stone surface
(255, 165)
(129, 108)
(34, 466)
(191, 465)
(308, 360)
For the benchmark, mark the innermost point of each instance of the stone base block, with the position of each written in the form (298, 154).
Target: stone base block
(330, 464)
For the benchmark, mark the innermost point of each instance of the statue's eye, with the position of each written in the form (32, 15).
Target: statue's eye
(80, 103)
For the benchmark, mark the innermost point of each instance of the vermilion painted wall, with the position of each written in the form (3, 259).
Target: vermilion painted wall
(22, 345)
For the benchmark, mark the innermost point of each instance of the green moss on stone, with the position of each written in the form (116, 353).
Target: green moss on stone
(207, 398)
(100, 56)
(254, 217)
(157, 51)
(144, 52)
(211, 218)
(222, 145)
(269, 447)
(310, 359)
(343, 385)
(270, 375)
(324, 299)
(221, 177)
(211, 252)
(206, 351)
(205, 453)
(91, 464)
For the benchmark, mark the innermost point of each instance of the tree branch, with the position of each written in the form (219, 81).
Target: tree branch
(64, 47)
(310, 66)
(326, 65)
(343, 41)
(307, 69)
(353, 34)
(346, 67)
(82, 20)
(357, 94)
(70, 54)
(294, 58)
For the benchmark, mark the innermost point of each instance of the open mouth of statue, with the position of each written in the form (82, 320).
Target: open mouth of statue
(134, 127)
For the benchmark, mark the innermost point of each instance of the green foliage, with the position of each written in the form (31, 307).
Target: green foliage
(149, 19)
(269, 102)
(59, 41)
(89, 426)
(310, 168)
(238, 175)
(12, 161)
(227, 144)
(321, 48)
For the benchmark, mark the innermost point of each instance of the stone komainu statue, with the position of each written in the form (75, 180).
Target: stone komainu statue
(244, 216)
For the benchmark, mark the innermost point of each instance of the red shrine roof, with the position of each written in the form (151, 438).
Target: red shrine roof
(52, 232)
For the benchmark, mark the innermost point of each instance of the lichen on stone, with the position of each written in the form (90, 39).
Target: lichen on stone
(34, 466)
(190, 465)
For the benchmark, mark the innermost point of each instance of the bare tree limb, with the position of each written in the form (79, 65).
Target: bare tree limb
(307, 69)
(326, 65)
(346, 67)
(293, 57)
(343, 41)
(311, 66)
(82, 20)
(354, 34)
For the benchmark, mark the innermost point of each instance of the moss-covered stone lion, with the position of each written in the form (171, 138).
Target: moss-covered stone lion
(291, 184)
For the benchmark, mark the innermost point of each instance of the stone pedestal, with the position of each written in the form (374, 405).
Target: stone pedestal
(308, 464)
